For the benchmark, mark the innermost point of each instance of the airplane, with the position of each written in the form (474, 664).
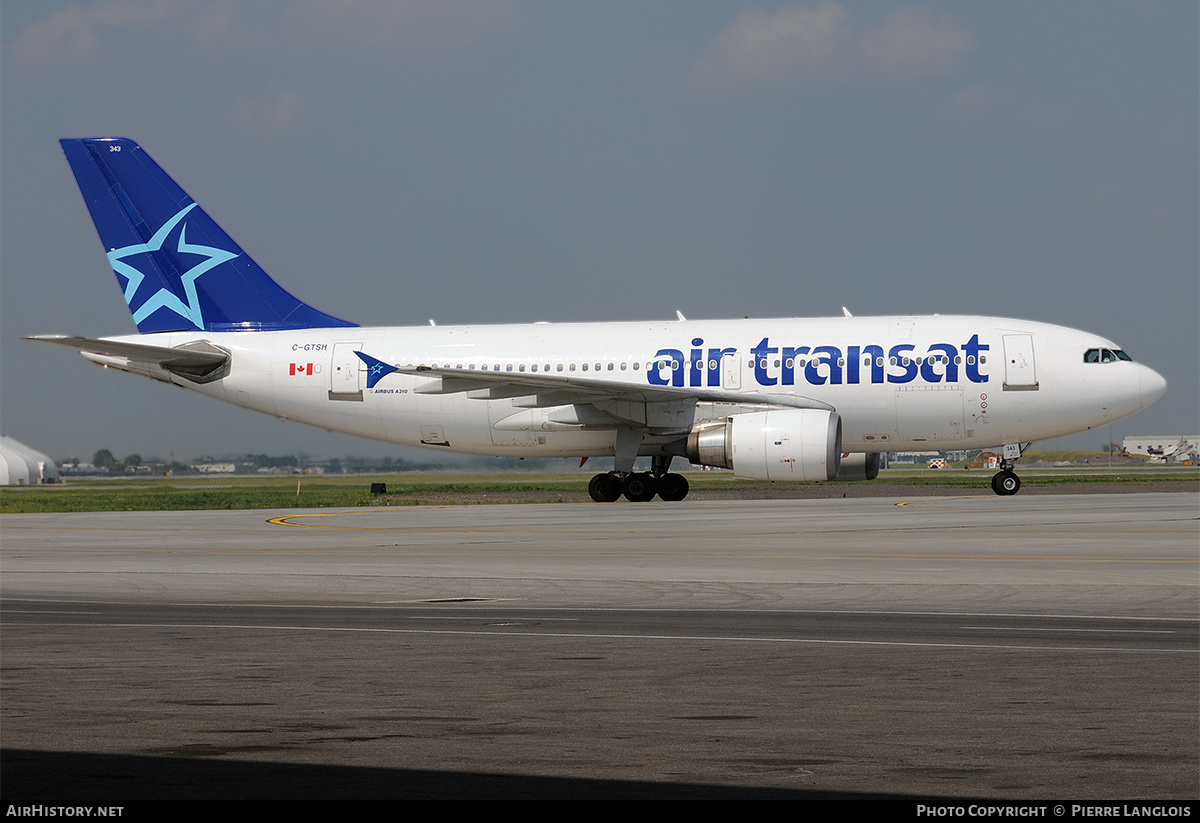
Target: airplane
(787, 399)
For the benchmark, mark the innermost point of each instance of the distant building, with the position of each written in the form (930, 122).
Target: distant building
(214, 468)
(22, 466)
(914, 457)
(1165, 448)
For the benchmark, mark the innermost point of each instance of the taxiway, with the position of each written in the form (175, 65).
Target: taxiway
(1029, 647)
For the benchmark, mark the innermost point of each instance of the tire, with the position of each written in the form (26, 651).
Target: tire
(640, 487)
(1006, 483)
(672, 487)
(604, 488)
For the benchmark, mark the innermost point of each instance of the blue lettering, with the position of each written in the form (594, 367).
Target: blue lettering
(830, 359)
(715, 356)
(929, 371)
(824, 364)
(674, 363)
(898, 356)
(875, 353)
(852, 358)
(696, 361)
(972, 348)
(760, 353)
(788, 376)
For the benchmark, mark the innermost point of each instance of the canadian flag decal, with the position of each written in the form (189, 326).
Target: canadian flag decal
(301, 368)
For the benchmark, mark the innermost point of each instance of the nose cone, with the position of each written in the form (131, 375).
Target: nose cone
(1153, 385)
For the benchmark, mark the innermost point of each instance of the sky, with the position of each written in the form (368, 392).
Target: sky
(522, 160)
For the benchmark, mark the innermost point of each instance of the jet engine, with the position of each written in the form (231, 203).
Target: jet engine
(781, 444)
(859, 466)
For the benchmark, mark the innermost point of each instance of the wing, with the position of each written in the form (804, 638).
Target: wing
(574, 389)
(198, 362)
(595, 401)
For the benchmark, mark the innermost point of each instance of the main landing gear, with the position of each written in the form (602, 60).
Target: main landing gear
(1005, 482)
(639, 487)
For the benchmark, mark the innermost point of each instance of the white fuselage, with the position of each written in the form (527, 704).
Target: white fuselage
(898, 383)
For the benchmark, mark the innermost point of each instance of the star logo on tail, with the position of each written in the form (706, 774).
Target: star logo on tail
(164, 298)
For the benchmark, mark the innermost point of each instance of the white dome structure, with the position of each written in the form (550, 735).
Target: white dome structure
(21, 465)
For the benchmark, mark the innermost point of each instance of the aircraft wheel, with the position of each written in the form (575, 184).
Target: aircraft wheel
(604, 488)
(672, 487)
(1006, 483)
(640, 487)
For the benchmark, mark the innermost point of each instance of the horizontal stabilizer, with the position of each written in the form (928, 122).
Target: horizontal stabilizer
(198, 362)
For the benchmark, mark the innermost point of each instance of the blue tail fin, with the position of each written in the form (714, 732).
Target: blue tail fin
(178, 270)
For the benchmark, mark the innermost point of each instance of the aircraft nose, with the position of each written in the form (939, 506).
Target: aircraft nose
(1153, 386)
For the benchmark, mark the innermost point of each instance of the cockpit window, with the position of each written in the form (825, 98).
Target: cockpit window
(1105, 356)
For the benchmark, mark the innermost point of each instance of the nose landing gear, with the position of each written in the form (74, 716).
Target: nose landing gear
(1005, 482)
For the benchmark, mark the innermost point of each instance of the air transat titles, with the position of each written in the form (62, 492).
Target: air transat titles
(779, 365)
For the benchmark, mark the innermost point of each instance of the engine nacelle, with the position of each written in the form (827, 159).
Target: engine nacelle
(796, 445)
(859, 466)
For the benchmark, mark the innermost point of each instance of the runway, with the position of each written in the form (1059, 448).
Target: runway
(1030, 647)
